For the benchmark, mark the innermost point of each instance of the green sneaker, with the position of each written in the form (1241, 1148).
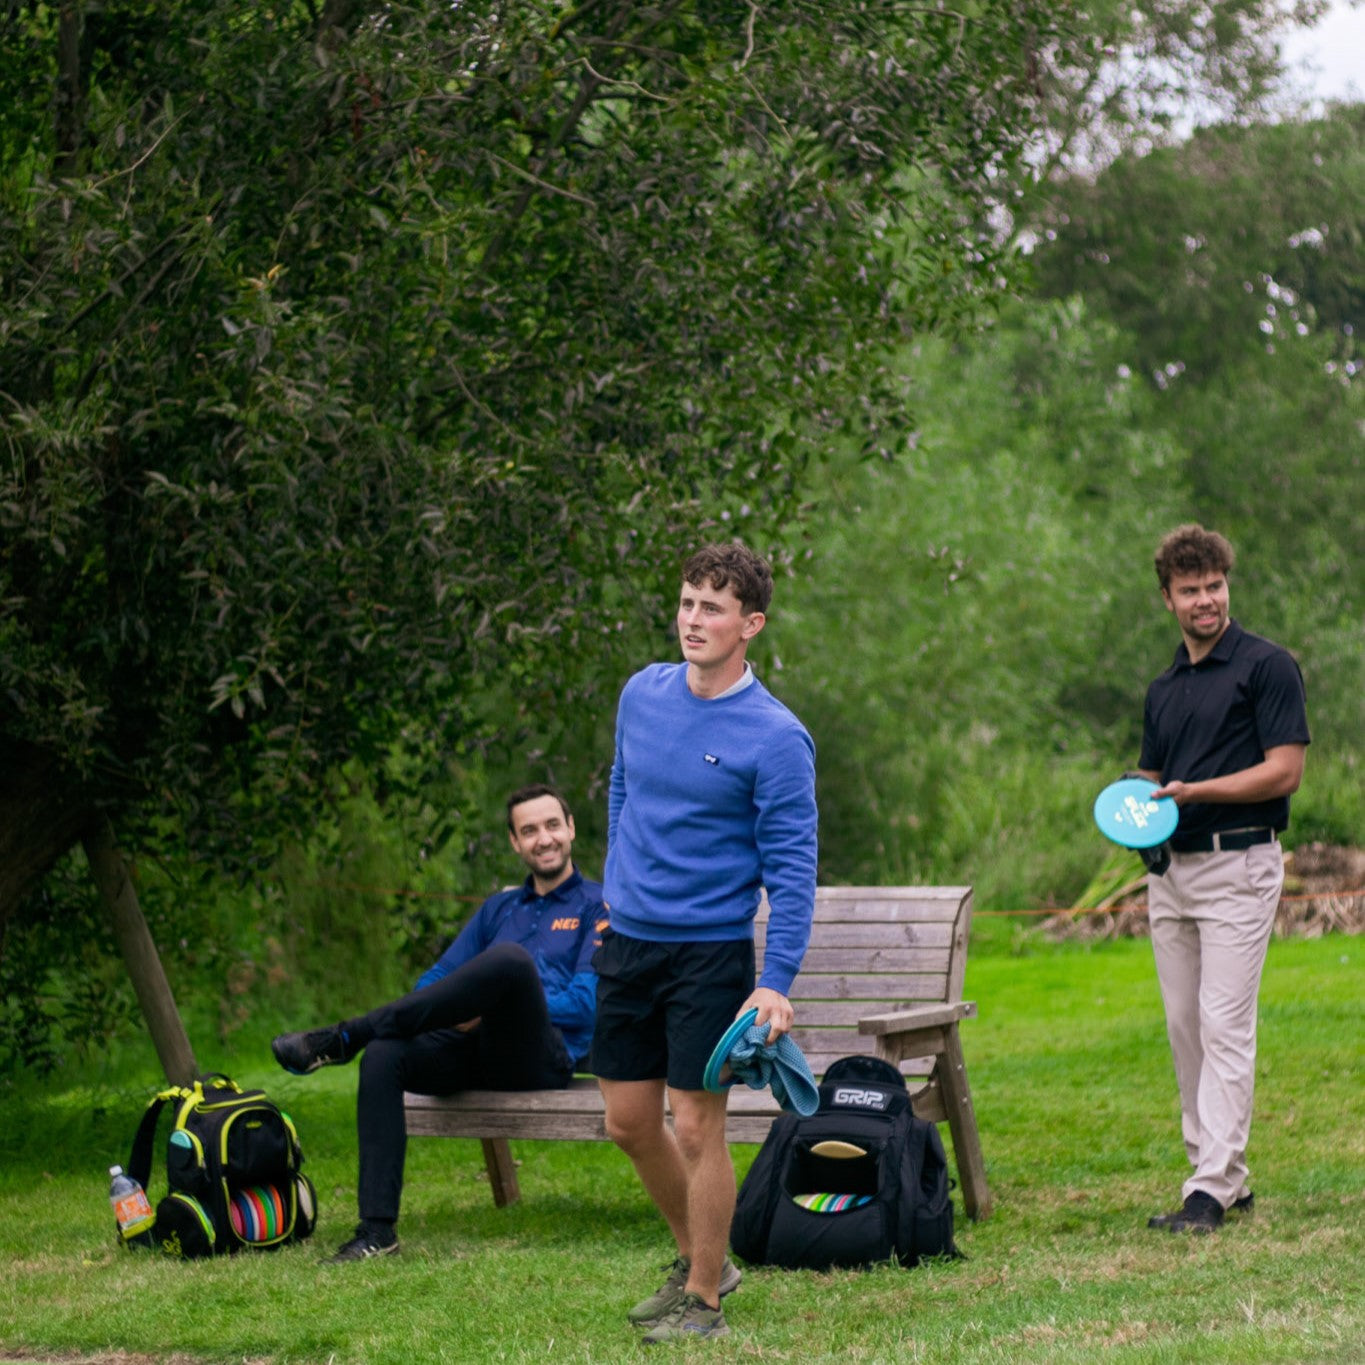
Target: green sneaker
(689, 1320)
(651, 1311)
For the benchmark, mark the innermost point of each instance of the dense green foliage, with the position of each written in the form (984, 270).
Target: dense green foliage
(969, 636)
(1071, 1081)
(1238, 290)
(363, 366)
(361, 383)
(972, 634)
(352, 361)
(1247, 237)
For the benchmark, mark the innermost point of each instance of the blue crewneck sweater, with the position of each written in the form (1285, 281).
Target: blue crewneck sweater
(711, 801)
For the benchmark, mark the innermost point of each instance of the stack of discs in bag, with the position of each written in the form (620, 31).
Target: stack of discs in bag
(831, 1203)
(258, 1213)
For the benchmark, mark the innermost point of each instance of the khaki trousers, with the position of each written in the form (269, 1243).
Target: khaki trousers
(1211, 917)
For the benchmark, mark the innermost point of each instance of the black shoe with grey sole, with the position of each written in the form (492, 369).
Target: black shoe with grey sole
(361, 1247)
(305, 1052)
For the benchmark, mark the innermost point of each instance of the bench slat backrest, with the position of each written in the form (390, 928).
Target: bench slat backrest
(874, 949)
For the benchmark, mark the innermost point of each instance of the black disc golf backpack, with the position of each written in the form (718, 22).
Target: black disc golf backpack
(859, 1181)
(232, 1164)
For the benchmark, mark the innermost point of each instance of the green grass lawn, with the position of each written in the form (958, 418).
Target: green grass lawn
(1079, 1124)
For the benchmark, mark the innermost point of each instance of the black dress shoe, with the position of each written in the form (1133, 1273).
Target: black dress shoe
(1200, 1213)
(1245, 1206)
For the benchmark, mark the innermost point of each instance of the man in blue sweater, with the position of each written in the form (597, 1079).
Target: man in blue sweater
(712, 801)
(508, 1006)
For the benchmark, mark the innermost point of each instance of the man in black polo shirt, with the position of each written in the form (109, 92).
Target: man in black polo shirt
(1224, 733)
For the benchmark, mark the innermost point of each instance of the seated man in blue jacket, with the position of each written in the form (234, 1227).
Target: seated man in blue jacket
(509, 1006)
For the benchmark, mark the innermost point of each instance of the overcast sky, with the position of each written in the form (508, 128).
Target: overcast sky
(1329, 59)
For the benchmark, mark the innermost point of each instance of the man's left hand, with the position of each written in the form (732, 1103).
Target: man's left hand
(773, 1008)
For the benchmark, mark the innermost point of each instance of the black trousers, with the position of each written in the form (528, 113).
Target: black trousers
(417, 1047)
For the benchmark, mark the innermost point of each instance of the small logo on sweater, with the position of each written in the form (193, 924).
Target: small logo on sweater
(711, 758)
(565, 922)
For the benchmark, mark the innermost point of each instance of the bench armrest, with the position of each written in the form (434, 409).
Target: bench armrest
(917, 1017)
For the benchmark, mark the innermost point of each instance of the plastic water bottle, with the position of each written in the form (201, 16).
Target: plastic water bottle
(131, 1209)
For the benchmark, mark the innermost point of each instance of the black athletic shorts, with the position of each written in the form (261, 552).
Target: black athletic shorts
(662, 1007)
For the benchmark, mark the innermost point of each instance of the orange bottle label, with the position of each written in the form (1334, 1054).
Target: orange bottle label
(132, 1208)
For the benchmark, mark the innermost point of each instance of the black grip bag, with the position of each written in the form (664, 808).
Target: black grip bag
(860, 1181)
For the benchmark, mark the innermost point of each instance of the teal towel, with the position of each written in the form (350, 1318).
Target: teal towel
(779, 1066)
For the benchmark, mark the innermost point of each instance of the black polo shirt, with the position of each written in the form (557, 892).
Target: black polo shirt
(1219, 716)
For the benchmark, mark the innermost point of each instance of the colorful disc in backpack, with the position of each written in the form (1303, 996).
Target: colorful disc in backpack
(259, 1214)
(235, 1217)
(272, 1214)
(838, 1149)
(278, 1210)
(249, 1214)
(824, 1202)
(307, 1209)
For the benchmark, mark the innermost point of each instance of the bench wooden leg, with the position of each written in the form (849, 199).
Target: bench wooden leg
(957, 1099)
(502, 1171)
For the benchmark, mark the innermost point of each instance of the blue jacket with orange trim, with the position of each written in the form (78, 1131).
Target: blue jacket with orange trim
(561, 931)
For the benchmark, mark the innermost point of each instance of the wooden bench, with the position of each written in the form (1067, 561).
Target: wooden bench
(883, 975)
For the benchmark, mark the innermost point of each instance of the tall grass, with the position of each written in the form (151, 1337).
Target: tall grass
(1077, 1108)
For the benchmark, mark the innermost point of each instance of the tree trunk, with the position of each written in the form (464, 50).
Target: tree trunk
(70, 94)
(139, 952)
(42, 814)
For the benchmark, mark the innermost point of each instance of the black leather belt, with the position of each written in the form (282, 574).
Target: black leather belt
(1225, 841)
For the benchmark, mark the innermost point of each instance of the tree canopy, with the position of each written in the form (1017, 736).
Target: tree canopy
(1234, 265)
(366, 370)
(351, 357)
(1147, 75)
(1212, 250)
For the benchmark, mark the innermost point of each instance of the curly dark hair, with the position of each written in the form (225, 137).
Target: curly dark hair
(531, 793)
(1192, 549)
(734, 566)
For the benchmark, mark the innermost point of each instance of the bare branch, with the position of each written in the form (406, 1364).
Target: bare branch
(542, 184)
(628, 85)
(749, 35)
(128, 170)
